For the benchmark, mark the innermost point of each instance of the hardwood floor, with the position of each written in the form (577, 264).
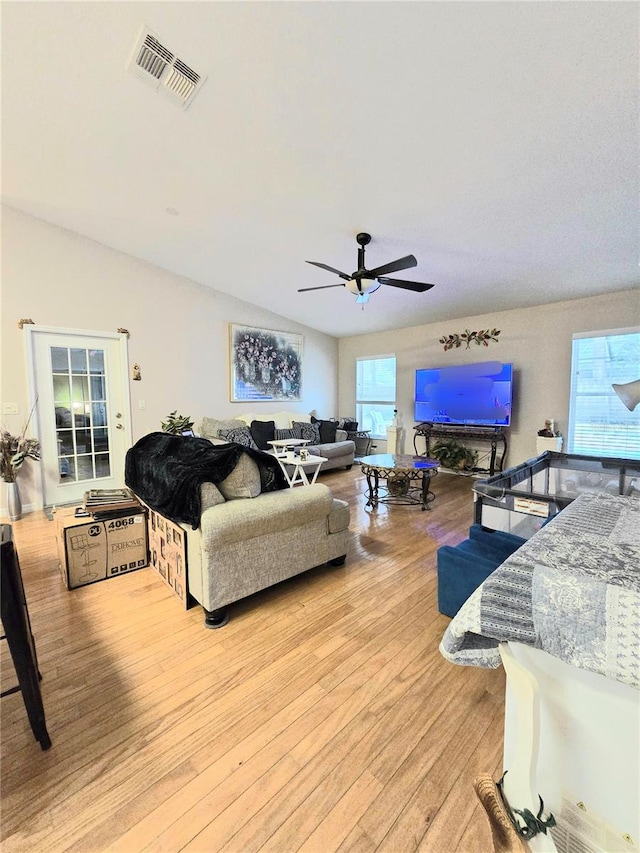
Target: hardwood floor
(321, 718)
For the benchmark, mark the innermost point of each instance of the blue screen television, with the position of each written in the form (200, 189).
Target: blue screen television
(468, 394)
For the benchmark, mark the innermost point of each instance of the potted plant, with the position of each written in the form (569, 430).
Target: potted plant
(452, 454)
(177, 424)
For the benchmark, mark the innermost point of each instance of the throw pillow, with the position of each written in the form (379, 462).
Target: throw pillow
(308, 431)
(210, 496)
(262, 433)
(284, 434)
(211, 427)
(239, 435)
(243, 481)
(327, 431)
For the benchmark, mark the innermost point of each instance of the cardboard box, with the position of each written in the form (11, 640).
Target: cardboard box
(168, 554)
(91, 551)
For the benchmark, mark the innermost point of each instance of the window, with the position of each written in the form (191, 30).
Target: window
(375, 394)
(604, 410)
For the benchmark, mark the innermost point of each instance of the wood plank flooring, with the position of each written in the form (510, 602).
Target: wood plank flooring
(321, 718)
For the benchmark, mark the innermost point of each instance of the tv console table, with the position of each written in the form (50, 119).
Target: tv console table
(493, 435)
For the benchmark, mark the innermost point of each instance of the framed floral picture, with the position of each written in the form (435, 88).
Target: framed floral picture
(265, 365)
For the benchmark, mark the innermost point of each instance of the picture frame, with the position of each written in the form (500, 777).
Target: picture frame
(265, 365)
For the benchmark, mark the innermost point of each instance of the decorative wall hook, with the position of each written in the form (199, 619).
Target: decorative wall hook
(25, 322)
(135, 373)
(481, 337)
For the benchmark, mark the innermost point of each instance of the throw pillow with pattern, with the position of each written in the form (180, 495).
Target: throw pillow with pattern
(284, 434)
(239, 435)
(310, 432)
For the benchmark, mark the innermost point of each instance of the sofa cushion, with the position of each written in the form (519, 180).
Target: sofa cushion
(274, 512)
(210, 495)
(210, 426)
(308, 431)
(243, 481)
(328, 430)
(263, 432)
(333, 450)
(239, 435)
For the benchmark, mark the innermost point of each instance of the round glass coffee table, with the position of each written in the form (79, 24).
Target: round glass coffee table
(407, 479)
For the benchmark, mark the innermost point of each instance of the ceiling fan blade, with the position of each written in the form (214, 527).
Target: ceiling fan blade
(332, 269)
(322, 287)
(416, 286)
(394, 266)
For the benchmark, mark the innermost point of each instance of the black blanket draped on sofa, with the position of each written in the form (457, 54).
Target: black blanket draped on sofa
(166, 472)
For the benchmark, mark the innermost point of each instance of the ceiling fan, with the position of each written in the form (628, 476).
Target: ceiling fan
(363, 282)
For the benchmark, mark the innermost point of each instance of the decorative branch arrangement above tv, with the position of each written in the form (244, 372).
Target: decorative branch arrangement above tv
(483, 336)
(468, 394)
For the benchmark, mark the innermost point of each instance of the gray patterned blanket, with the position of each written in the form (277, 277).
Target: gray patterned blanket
(573, 590)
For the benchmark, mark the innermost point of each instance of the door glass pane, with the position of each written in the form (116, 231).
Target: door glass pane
(59, 360)
(103, 467)
(81, 416)
(100, 440)
(83, 440)
(99, 411)
(81, 413)
(96, 361)
(80, 388)
(78, 360)
(67, 468)
(61, 391)
(98, 391)
(65, 442)
(84, 465)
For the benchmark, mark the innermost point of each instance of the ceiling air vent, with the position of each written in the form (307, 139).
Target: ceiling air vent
(156, 65)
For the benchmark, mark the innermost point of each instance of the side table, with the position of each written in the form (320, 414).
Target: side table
(295, 469)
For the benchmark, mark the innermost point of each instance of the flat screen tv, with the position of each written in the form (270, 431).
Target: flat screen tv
(468, 394)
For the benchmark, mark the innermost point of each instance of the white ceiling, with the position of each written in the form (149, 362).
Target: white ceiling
(496, 141)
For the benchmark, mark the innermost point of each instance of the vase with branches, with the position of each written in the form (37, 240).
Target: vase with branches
(14, 449)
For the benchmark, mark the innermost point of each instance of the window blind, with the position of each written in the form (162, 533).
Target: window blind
(603, 421)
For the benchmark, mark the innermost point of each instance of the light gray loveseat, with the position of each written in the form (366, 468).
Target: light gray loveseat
(339, 453)
(249, 540)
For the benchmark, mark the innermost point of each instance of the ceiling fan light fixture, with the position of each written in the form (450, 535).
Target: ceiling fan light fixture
(362, 285)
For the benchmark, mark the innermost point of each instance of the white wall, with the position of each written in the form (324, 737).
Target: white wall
(178, 330)
(536, 340)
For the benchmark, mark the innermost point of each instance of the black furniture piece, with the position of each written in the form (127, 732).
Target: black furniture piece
(17, 632)
(493, 435)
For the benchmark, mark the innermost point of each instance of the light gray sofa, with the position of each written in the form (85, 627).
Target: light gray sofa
(339, 453)
(249, 540)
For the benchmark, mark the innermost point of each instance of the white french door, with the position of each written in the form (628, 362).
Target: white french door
(83, 412)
